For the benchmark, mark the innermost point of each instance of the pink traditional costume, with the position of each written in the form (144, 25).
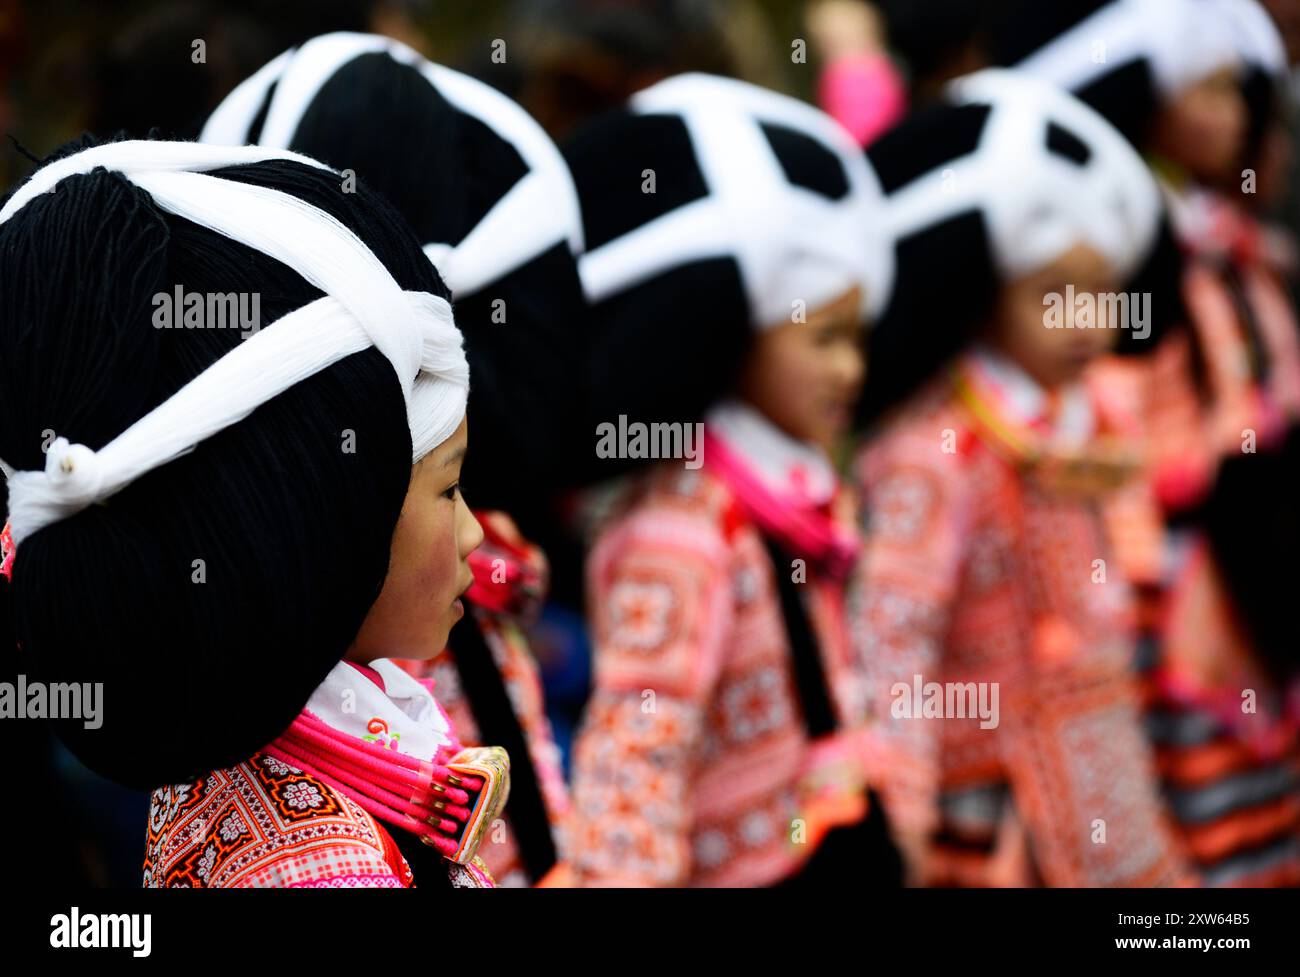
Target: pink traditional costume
(996, 632)
(1231, 764)
(982, 567)
(722, 742)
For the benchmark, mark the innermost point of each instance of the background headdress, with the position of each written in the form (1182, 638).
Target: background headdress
(1125, 57)
(490, 199)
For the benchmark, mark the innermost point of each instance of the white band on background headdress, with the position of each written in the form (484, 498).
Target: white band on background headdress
(363, 307)
(1182, 40)
(540, 210)
(1253, 35)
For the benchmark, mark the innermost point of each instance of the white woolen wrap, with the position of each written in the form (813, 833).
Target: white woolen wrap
(1250, 30)
(363, 307)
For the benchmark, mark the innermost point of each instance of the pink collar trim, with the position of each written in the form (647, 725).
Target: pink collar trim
(801, 515)
(386, 744)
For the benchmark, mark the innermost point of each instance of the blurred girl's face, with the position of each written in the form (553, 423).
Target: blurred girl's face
(805, 376)
(1020, 328)
(1203, 128)
(429, 569)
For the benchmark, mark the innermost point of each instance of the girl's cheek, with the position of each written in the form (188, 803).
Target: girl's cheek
(429, 548)
(447, 567)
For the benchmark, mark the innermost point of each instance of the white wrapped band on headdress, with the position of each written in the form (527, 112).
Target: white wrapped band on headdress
(791, 243)
(1183, 41)
(538, 211)
(1165, 32)
(1253, 35)
(363, 307)
(1037, 212)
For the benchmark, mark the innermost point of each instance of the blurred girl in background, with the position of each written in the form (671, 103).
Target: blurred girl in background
(987, 568)
(734, 228)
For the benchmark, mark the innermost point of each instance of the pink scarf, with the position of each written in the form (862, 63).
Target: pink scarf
(787, 487)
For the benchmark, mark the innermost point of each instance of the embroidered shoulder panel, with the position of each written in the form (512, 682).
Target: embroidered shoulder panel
(265, 824)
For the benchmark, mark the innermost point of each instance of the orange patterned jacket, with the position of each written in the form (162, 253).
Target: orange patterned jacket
(266, 824)
(981, 566)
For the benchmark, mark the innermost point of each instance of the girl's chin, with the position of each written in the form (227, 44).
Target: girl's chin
(435, 643)
(837, 424)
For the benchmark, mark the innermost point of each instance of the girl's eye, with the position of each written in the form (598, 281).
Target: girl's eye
(450, 492)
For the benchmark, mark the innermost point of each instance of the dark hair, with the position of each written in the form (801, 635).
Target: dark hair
(199, 670)
(935, 37)
(1265, 102)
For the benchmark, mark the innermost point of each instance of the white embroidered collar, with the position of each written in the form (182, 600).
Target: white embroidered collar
(789, 468)
(402, 714)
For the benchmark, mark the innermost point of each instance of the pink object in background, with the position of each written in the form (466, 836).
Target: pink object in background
(864, 93)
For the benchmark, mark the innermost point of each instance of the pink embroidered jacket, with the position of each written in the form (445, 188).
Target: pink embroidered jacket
(981, 570)
(693, 766)
(306, 809)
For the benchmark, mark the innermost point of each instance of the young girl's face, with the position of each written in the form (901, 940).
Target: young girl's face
(806, 376)
(1020, 329)
(1203, 128)
(429, 569)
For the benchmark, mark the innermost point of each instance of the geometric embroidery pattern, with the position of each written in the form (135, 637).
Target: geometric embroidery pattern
(264, 823)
